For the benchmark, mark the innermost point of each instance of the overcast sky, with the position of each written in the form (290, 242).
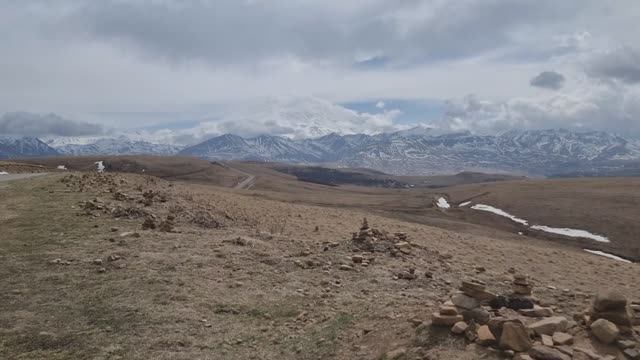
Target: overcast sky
(479, 65)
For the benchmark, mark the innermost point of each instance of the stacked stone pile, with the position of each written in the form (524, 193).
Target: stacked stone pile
(534, 332)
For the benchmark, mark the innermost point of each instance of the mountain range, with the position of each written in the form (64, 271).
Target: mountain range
(408, 152)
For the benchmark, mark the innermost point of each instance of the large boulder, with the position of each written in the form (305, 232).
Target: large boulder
(549, 325)
(605, 331)
(609, 301)
(515, 337)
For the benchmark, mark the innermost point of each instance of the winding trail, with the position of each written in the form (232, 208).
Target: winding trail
(246, 183)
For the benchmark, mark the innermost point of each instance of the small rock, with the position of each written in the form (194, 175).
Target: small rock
(465, 302)
(549, 325)
(541, 352)
(605, 330)
(515, 337)
(459, 328)
(102, 270)
(357, 259)
(547, 340)
(632, 354)
(485, 337)
(479, 315)
(445, 320)
(561, 338)
(97, 261)
(346, 267)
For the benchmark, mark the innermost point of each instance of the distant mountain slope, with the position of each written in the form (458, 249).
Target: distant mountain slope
(542, 152)
(17, 147)
(120, 145)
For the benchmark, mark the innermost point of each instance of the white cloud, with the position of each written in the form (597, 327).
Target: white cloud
(591, 107)
(380, 104)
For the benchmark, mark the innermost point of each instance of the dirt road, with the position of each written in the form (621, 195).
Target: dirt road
(247, 182)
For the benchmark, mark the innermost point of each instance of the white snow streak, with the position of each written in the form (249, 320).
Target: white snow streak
(4, 173)
(61, 167)
(466, 203)
(443, 204)
(571, 233)
(497, 211)
(560, 231)
(610, 256)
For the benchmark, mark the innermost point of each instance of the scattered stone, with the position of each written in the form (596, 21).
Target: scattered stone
(549, 325)
(357, 259)
(547, 340)
(515, 337)
(459, 328)
(102, 270)
(605, 330)
(541, 352)
(97, 261)
(632, 354)
(346, 267)
(485, 337)
(561, 338)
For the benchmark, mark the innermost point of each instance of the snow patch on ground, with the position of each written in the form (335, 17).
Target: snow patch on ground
(443, 203)
(466, 203)
(571, 233)
(4, 173)
(497, 211)
(61, 167)
(610, 256)
(100, 166)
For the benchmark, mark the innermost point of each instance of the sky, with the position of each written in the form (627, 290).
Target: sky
(83, 67)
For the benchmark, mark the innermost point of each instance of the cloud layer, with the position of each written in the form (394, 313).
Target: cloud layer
(141, 63)
(28, 124)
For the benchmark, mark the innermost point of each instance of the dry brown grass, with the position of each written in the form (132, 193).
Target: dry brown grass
(256, 298)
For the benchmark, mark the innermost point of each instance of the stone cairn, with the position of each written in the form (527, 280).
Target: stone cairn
(612, 307)
(521, 286)
(524, 330)
(373, 240)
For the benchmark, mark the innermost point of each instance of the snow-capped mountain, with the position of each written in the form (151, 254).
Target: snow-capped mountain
(19, 147)
(120, 145)
(414, 152)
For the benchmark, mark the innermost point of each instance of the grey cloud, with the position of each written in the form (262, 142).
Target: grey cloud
(230, 31)
(548, 80)
(22, 123)
(622, 64)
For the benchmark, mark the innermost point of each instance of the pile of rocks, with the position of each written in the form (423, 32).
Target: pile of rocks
(535, 333)
(521, 285)
(373, 240)
(612, 307)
